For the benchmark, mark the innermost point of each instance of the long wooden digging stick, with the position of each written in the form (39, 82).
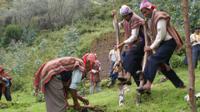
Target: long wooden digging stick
(117, 35)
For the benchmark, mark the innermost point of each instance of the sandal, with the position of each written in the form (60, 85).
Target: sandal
(143, 90)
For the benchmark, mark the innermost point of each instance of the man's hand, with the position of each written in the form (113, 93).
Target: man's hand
(75, 97)
(94, 71)
(77, 106)
(85, 101)
(147, 49)
(114, 12)
(119, 46)
(36, 92)
(4, 79)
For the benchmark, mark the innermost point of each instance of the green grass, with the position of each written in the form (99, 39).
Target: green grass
(164, 98)
(49, 44)
(23, 102)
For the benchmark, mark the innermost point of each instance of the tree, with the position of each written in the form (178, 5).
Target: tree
(53, 13)
(191, 90)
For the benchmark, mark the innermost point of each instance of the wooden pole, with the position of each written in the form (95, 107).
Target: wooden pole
(191, 87)
(146, 44)
(116, 28)
(117, 34)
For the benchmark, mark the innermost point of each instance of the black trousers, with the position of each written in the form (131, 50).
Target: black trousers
(7, 93)
(162, 56)
(133, 61)
(172, 76)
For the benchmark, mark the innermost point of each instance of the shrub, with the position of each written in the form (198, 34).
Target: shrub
(69, 49)
(12, 32)
(52, 13)
(18, 83)
(177, 61)
(28, 35)
(194, 16)
(17, 59)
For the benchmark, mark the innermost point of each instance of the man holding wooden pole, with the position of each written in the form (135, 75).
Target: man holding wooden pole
(164, 40)
(132, 25)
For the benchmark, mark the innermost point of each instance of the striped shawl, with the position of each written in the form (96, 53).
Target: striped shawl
(55, 67)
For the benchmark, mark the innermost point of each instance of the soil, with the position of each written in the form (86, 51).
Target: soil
(102, 47)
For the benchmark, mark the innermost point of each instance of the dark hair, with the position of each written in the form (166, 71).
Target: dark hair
(131, 13)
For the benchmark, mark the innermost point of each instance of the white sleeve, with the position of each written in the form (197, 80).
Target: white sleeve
(76, 79)
(94, 71)
(110, 53)
(192, 38)
(161, 33)
(100, 68)
(134, 35)
(121, 23)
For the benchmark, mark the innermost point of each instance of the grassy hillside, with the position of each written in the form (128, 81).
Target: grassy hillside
(40, 43)
(164, 98)
(23, 58)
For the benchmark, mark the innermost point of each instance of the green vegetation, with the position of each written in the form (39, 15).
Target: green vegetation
(67, 28)
(165, 98)
(12, 32)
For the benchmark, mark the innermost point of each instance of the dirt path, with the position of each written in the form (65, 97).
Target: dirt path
(102, 47)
